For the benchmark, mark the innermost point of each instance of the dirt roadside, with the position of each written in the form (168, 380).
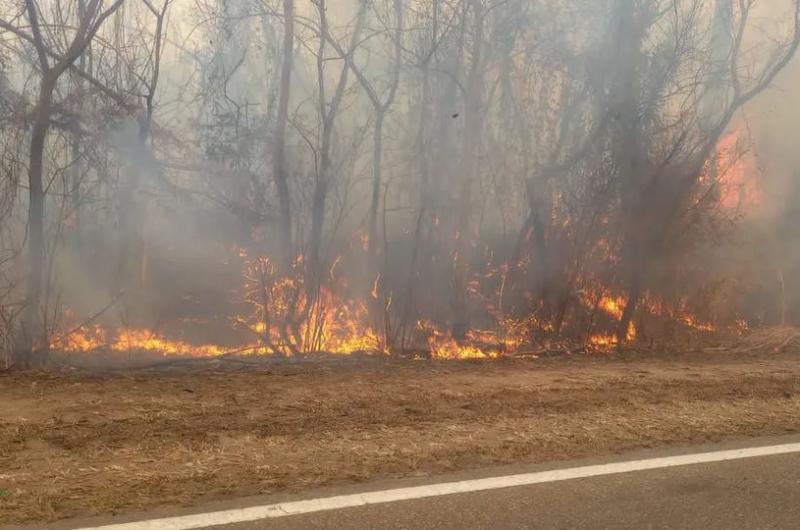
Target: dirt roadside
(79, 444)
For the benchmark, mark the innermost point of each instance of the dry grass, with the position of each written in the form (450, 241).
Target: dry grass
(769, 340)
(78, 444)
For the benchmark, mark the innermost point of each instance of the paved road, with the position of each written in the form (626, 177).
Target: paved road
(757, 492)
(749, 494)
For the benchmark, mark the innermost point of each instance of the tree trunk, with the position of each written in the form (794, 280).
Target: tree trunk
(424, 195)
(473, 123)
(377, 162)
(328, 112)
(32, 338)
(279, 170)
(315, 243)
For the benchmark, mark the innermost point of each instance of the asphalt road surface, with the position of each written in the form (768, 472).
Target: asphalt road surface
(753, 492)
(759, 493)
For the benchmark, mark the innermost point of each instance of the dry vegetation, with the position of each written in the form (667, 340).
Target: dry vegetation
(469, 178)
(81, 443)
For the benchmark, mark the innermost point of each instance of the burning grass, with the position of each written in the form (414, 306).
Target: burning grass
(332, 325)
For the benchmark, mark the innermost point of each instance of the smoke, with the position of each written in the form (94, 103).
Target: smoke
(474, 173)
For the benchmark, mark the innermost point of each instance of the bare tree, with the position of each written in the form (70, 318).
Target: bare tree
(279, 164)
(328, 111)
(52, 65)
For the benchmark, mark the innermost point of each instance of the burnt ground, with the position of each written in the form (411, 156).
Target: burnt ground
(77, 443)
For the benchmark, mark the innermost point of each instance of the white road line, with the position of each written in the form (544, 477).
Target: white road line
(256, 513)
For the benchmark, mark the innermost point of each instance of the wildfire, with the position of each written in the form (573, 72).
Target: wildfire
(342, 328)
(692, 322)
(602, 341)
(282, 318)
(599, 297)
(91, 338)
(737, 172)
(680, 312)
(442, 345)
(614, 306)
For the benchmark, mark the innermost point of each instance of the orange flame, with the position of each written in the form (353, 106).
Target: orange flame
(91, 338)
(737, 173)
